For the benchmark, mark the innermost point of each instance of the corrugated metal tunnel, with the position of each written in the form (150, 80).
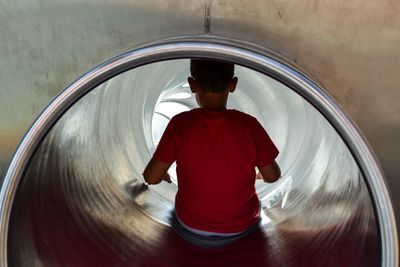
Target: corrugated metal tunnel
(74, 194)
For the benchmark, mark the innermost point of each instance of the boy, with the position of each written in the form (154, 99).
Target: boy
(216, 151)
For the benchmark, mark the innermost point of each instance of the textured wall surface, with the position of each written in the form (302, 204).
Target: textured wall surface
(350, 47)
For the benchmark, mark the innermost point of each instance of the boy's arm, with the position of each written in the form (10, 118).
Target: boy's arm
(267, 152)
(156, 171)
(270, 173)
(164, 156)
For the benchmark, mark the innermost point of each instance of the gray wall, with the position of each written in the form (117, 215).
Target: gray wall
(350, 47)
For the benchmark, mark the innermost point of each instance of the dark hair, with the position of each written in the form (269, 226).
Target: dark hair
(212, 75)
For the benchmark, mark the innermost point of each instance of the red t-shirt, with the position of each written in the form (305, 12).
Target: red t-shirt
(216, 153)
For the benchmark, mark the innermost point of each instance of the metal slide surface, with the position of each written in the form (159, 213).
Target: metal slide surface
(82, 199)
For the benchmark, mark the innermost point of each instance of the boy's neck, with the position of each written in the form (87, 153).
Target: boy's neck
(212, 101)
(213, 108)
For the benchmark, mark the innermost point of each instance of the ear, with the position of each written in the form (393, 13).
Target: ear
(232, 85)
(193, 85)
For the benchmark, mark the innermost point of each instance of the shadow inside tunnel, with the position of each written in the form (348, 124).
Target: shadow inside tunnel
(61, 240)
(67, 221)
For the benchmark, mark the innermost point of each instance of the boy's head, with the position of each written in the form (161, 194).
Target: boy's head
(211, 75)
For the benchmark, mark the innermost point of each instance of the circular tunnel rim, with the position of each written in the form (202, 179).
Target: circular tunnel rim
(243, 54)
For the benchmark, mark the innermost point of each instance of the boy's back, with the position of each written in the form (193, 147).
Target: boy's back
(216, 151)
(216, 154)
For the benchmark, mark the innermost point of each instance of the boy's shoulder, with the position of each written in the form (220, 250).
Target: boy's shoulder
(236, 114)
(242, 114)
(180, 117)
(242, 117)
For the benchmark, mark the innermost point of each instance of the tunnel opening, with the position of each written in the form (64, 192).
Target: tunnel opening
(322, 204)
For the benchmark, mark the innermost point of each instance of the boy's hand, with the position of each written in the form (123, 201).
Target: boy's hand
(156, 171)
(167, 178)
(270, 173)
(259, 176)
